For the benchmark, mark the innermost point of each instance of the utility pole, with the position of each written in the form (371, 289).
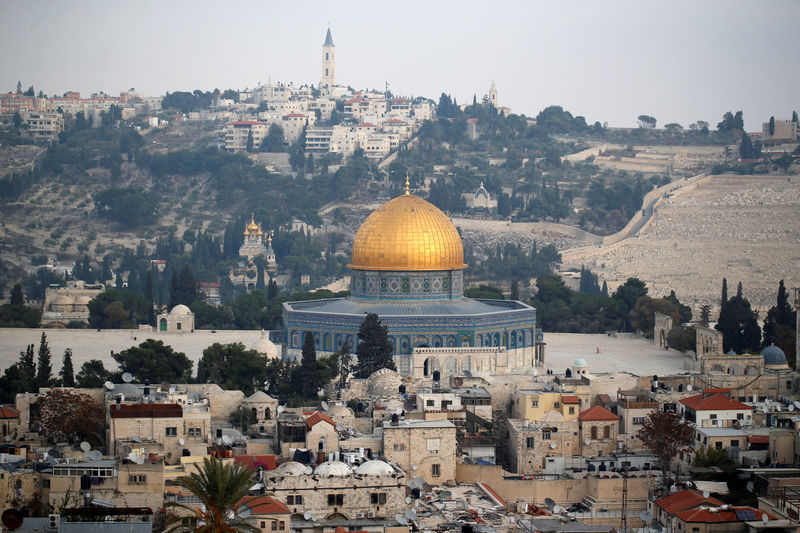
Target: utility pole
(623, 513)
(796, 325)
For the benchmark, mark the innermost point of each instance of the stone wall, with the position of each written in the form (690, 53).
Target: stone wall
(410, 444)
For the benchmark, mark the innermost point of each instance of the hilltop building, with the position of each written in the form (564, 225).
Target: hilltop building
(328, 79)
(493, 95)
(253, 241)
(407, 267)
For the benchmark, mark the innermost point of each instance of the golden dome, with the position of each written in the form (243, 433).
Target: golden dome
(407, 233)
(252, 227)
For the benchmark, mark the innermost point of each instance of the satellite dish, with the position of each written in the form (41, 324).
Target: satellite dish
(127, 377)
(706, 494)
(556, 509)
(324, 405)
(85, 446)
(181, 441)
(646, 517)
(414, 466)
(307, 515)
(791, 407)
(549, 502)
(587, 442)
(765, 518)
(135, 458)
(12, 519)
(339, 429)
(797, 404)
(226, 440)
(172, 390)
(108, 385)
(320, 393)
(408, 501)
(398, 411)
(688, 388)
(244, 511)
(280, 409)
(401, 519)
(553, 445)
(149, 437)
(94, 455)
(458, 381)
(410, 514)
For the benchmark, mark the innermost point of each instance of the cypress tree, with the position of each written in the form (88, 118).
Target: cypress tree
(44, 368)
(28, 368)
(374, 350)
(67, 371)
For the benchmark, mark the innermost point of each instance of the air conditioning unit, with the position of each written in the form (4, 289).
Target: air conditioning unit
(371, 515)
(360, 515)
(53, 521)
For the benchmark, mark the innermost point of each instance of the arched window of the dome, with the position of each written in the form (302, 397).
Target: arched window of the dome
(338, 340)
(466, 341)
(405, 344)
(496, 339)
(451, 341)
(437, 341)
(317, 340)
(295, 339)
(326, 343)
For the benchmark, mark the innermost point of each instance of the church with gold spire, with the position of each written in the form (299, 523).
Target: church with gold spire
(407, 267)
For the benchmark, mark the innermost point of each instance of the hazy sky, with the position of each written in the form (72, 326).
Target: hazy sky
(679, 61)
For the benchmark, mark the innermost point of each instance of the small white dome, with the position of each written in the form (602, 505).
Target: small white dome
(340, 411)
(375, 468)
(264, 346)
(180, 310)
(291, 468)
(580, 361)
(333, 468)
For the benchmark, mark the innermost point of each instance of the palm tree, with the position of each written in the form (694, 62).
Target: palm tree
(220, 487)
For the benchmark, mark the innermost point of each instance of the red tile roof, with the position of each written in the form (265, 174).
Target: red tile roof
(317, 417)
(365, 125)
(492, 493)
(570, 398)
(758, 439)
(717, 402)
(6, 412)
(264, 505)
(605, 399)
(727, 515)
(683, 500)
(146, 410)
(252, 462)
(597, 413)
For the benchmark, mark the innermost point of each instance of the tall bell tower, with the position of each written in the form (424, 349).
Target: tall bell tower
(328, 79)
(493, 95)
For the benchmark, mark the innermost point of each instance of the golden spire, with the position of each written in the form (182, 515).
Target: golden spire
(408, 184)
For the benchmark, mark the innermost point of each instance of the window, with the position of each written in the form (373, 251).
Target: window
(695, 530)
(718, 445)
(545, 434)
(735, 443)
(571, 410)
(263, 524)
(789, 384)
(429, 403)
(274, 525)
(335, 499)
(606, 432)
(593, 433)
(294, 500)
(530, 442)
(378, 498)
(434, 445)
(281, 525)
(740, 416)
(195, 432)
(172, 432)
(712, 417)
(46, 483)
(137, 479)
(535, 402)
(436, 470)
(638, 420)
(399, 447)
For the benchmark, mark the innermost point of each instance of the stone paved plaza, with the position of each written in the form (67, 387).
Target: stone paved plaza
(745, 228)
(625, 353)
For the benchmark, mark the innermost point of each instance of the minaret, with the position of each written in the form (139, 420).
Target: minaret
(493, 95)
(328, 79)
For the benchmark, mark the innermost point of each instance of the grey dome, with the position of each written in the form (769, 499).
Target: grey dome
(773, 355)
(730, 352)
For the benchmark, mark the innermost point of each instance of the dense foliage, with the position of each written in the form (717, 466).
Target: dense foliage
(155, 361)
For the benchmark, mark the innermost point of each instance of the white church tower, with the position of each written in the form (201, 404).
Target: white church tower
(493, 95)
(328, 79)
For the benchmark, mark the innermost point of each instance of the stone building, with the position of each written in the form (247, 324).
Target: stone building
(63, 305)
(328, 79)
(268, 513)
(335, 491)
(599, 429)
(530, 444)
(179, 320)
(662, 327)
(253, 245)
(424, 448)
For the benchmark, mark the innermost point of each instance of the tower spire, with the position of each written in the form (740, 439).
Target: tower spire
(408, 184)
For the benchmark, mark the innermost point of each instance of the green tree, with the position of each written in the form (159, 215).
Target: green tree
(309, 376)
(116, 309)
(69, 415)
(708, 457)
(249, 146)
(232, 367)
(18, 315)
(92, 375)
(220, 487)
(514, 289)
(684, 310)
(274, 140)
(155, 361)
(44, 367)
(739, 325)
(487, 292)
(17, 120)
(682, 338)
(374, 350)
(746, 147)
(646, 121)
(666, 434)
(642, 316)
(779, 326)
(629, 293)
(771, 126)
(67, 372)
(184, 288)
(28, 368)
(705, 315)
